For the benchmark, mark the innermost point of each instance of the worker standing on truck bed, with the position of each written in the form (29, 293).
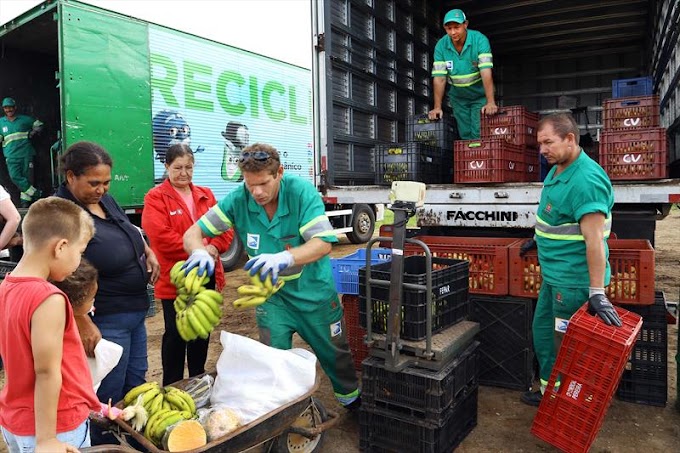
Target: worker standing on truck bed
(15, 134)
(463, 59)
(573, 222)
(282, 223)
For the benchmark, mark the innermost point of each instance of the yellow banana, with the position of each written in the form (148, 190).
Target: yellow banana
(196, 324)
(252, 290)
(249, 301)
(215, 306)
(212, 294)
(255, 280)
(205, 322)
(205, 309)
(206, 279)
(187, 415)
(268, 284)
(179, 305)
(189, 281)
(131, 396)
(198, 281)
(175, 269)
(166, 403)
(190, 331)
(278, 286)
(183, 326)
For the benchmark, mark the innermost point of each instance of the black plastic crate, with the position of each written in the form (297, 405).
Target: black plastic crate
(506, 352)
(381, 431)
(645, 377)
(416, 392)
(408, 162)
(449, 296)
(440, 133)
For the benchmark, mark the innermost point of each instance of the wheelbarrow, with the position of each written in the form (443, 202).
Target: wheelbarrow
(298, 426)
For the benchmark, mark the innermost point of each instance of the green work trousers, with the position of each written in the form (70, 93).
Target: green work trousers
(18, 169)
(467, 113)
(324, 331)
(553, 311)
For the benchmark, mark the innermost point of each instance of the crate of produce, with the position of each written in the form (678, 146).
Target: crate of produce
(525, 271)
(408, 162)
(589, 365)
(488, 259)
(514, 124)
(639, 154)
(487, 161)
(381, 431)
(440, 133)
(449, 296)
(632, 267)
(346, 269)
(418, 393)
(639, 86)
(506, 351)
(353, 330)
(631, 113)
(645, 377)
(532, 165)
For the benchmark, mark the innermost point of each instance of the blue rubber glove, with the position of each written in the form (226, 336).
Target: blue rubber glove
(269, 263)
(202, 259)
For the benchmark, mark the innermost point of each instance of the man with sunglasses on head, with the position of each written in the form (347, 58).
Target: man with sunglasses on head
(281, 220)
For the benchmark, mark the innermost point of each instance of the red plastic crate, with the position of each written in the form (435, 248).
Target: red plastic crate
(514, 124)
(635, 154)
(589, 364)
(487, 160)
(532, 164)
(631, 112)
(355, 333)
(632, 265)
(525, 272)
(488, 259)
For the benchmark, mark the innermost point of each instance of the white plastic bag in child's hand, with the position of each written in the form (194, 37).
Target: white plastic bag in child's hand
(106, 356)
(255, 379)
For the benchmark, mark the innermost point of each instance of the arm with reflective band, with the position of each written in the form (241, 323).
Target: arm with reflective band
(567, 231)
(485, 61)
(439, 69)
(484, 56)
(313, 222)
(318, 227)
(214, 222)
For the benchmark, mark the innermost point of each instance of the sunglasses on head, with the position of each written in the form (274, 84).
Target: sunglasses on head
(260, 156)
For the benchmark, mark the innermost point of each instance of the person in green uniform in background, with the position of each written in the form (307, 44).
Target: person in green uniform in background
(15, 134)
(573, 222)
(463, 59)
(281, 220)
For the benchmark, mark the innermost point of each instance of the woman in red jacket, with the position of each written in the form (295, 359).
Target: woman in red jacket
(169, 210)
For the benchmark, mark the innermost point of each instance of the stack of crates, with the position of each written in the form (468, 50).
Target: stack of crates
(632, 145)
(506, 152)
(424, 157)
(418, 409)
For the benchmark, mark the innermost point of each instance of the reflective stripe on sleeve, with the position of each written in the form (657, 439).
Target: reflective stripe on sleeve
(567, 231)
(439, 69)
(318, 227)
(485, 60)
(215, 221)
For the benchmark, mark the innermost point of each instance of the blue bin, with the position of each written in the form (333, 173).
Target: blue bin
(346, 269)
(640, 86)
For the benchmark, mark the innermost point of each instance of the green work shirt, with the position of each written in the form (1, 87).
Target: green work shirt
(299, 217)
(582, 188)
(462, 69)
(15, 143)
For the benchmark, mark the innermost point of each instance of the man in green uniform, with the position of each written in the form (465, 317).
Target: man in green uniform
(573, 223)
(281, 220)
(463, 59)
(15, 132)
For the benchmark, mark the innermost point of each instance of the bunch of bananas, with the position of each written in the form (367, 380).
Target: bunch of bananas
(198, 309)
(165, 407)
(256, 293)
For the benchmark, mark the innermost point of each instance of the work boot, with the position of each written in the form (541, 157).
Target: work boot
(531, 398)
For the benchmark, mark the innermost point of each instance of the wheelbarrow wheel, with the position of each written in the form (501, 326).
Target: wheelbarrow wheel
(289, 442)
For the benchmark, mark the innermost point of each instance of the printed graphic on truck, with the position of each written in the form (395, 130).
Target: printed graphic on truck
(219, 100)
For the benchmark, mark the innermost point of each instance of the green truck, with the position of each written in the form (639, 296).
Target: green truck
(136, 88)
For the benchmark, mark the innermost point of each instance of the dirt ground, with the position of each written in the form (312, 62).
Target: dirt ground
(503, 422)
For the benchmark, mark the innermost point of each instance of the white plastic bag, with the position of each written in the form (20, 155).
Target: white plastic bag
(107, 354)
(254, 379)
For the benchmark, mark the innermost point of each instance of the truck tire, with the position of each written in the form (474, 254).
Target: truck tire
(231, 257)
(295, 443)
(363, 224)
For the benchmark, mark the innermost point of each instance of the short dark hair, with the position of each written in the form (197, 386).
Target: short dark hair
(82, 156)
(79, 284)
(176, 151)
(252, 165)
(562, 123)
(54, 217)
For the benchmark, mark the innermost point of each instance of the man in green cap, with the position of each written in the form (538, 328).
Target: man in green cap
(15, 132)
(463, 59)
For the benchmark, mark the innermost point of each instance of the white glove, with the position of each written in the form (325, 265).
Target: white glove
(269, 263)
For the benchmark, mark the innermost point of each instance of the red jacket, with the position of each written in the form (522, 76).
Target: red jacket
(165, 218)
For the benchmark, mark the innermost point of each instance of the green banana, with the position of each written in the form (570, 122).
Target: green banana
(180, 320)
(196, 324)
(252, 290)
(207, 311)
(131, 396)
(177, 401)
(215, 307)
(205, 322)
(153, 421)
(157, 403)
(198, 281)
(189, 281)
(170, 419)
(149, 395)
(179, 305)
(212, 294)
(249, 301)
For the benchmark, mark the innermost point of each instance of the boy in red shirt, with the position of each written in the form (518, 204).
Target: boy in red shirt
(48, 395)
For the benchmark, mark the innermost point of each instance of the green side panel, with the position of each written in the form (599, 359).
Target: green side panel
(106, 95)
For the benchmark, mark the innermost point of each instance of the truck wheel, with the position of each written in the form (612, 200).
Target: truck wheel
(295, 443)
(363, 224)
(231, 257)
